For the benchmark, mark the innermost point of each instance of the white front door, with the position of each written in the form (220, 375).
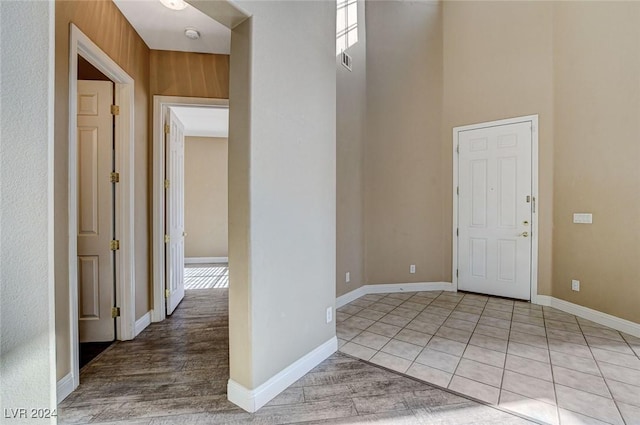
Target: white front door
(495, 210)
(175, 213)
(95, 212)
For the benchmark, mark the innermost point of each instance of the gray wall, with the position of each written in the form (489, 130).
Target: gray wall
(27, 363)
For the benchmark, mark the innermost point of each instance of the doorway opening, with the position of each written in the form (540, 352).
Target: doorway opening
(190, 198)
(101, 283)
(495, 224)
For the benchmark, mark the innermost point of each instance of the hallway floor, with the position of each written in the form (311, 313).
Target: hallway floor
(176, 371)
(537, 361)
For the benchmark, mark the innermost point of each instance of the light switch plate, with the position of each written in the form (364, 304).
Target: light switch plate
(583, 218)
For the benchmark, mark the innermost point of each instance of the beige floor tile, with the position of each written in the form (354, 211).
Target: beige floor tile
(463, 325)
(430, 374)
(402, 349)
(371, 314)
(438, 359)
(524, 366)
(358, 351)
(529, 407)
(385, 308)
(528, 351)
(569, 348)
(420, 326)
(392, 319)
(483, 355)
(567, 417)
(446, 345)
(412, 305)
(528, 339)
(496, 314)
(580, 381)
(528, 329)
(569, 361)
(384, 329)
(359, 322)
(371, 340)
(493, 322)
(566, 336)
(619, 373)
(479, 372)
(602, 333)
(625, 360)
(625, 393)
(588, 404)
(492, 331)
(464, 315)
(563, 326)
(474, 389)
(405, 312)
(609, 345)
(347, 331)
(413, 337)
(630, 413)
(391, 362)
(349, 309)
(454, 334)
(489, 342)
(529, 386)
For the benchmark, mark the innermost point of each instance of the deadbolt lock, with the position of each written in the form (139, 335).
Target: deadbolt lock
(524, 234)
(526, 223)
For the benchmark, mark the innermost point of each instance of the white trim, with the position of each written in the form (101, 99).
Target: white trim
(534, 192)
(393, 287)
(160, 108)
(142, 323)
(80, 44)
(64, 387)
(205, 260)
(252, 400)
(596, 316)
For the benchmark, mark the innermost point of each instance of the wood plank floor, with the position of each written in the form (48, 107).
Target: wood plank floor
(176, 372)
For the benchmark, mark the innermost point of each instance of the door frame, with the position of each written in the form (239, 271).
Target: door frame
(533, 119)
(81, 45)
(161, 105)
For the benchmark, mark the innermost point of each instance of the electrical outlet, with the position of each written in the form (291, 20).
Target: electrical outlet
(412, 268)
(329, 314)
(575, 285)
(347, 277)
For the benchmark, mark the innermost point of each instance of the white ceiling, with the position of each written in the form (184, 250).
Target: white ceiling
(203, 122)
(163, 29)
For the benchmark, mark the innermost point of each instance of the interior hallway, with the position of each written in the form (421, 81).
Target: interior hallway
(176, 372)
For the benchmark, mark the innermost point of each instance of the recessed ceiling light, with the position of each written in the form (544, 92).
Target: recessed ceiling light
(191, 33)
(174, 4)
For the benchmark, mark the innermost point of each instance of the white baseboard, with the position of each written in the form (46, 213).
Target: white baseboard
(596, 316)
(392, 287)
(206, 260)
(252, 400)
(64, 387)
(142, 323)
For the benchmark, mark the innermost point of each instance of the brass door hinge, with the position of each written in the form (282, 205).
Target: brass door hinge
(115, 110)
(167, 129)
(115, 177)
(114, 245)
(166, 184)
(115, 312)
(166, 238)
(167, 293)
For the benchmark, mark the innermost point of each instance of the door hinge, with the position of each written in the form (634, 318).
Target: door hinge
(166, 238)
(458, 232)
(533, 204)
(115, 110)
(457, 148)
(456, 272)
(167, 293)
(167, 129)
(166, 184)
(457, 190)
(114, 177)
(114, 245)
(115, 312)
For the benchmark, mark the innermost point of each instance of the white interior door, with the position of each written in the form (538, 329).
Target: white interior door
(95, 212)
(495, 210)
(175, 213)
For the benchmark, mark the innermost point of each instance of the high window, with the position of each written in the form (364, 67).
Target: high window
(346, 24)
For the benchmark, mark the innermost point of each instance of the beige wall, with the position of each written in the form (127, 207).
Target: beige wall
(103, 23)
(597, 155)
(350, 140)
(403, 161)
(498, 63)
(206, 197)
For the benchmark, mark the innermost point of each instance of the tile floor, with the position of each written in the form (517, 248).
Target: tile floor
(206, 276)
(536, 361)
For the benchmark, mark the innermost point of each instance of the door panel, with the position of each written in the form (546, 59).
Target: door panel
(175, 213)
(494, 211)
(95, 211)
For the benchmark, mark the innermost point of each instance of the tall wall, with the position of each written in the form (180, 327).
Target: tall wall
(351, 88)
(27, 364)
(403, 161)
(498, 63)
(282, 147)
(206, 197)
(597, 128)
(103, 23)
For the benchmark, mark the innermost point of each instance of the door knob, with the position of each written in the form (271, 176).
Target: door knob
(184, 233)
(524, 234)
